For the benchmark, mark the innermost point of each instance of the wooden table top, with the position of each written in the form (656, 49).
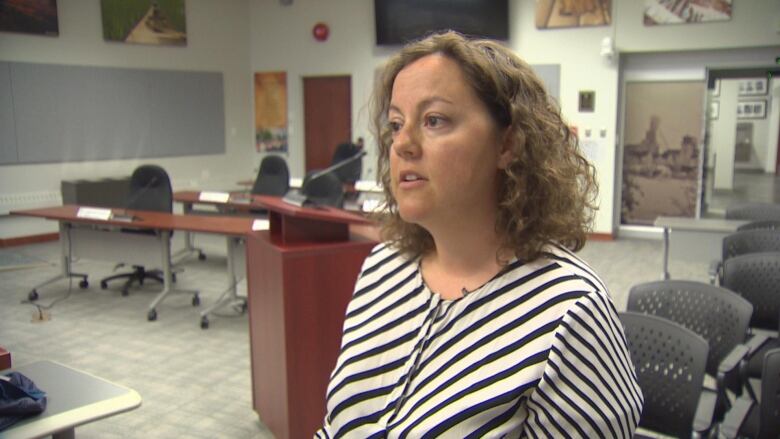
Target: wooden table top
(218, 224)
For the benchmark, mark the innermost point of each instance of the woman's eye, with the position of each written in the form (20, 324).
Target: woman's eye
(433, 121)
(394, 126)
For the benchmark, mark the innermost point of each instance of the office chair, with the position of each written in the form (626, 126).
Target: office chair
(350, 173)
(324, 190)
(717, 314)
(744, 242)
(756, 277)
(150, 189)
(754, 420)
(273, 178)
(753, 211)
(760, 225)
(670, 361)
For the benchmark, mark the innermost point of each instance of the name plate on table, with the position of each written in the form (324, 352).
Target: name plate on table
(214, 197)
(260, 224)
(94, 213)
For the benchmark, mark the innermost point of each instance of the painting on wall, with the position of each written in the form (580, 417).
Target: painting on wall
(29, 17)
(552, 14)
(662, 150)
(753, 109)
(156, 22)
(271, 112)
(753, 87)
(686, 11)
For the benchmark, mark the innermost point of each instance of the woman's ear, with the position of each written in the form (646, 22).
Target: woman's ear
(507, 154)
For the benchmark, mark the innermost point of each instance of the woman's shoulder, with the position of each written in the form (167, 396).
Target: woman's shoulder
(384, 257)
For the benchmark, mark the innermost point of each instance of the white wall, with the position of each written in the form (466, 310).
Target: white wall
(723, 136)
(218, 40)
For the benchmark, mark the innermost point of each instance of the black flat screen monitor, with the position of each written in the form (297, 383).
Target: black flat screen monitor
(400, 21)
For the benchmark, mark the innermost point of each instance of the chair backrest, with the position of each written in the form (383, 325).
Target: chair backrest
(150, 189)
(669, 360)
(753, 211)
(273, 178)
(769, 418)
(349, 173)
(760, 225)
(721, 316)
(325, 190)
(751, 241)
(756, 277)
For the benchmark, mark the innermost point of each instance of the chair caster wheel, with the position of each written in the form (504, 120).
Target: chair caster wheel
(103, 285)
(241, 308)
(202, 257)
(152, 316)
(32, 296)
(125, 292)
(204, 323)
(83, 284)
(195, 300)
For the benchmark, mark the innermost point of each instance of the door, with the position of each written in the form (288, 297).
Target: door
(327, 112)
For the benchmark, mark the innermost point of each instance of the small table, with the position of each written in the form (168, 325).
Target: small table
(698, 238)
(73, 398)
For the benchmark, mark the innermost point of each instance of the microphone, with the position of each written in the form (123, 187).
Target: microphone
(299, 198)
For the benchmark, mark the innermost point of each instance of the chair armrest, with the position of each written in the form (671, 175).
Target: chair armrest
(755, 343)
(729, 377)
(714, 271)
(735, 417)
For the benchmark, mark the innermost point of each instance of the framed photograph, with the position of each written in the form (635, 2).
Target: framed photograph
(29, 17)
(753, 109)
(716, 89)
(714, 110)
(587, 101)
(753, 87)
(155, 22)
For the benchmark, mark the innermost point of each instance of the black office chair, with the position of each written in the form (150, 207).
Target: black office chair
(349, 173)
(750, 419)
(720, 316)
(756, 277)
(323, 190)
(670, 361)
(273, 178)
(150, 189)
(744, 242)
(760, 225)
(753, 211)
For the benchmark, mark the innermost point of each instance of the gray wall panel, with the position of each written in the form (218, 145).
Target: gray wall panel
(550, 74)
(8, 151)
(194, 104)
(79, 113)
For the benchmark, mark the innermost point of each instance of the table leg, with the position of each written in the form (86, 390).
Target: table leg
(230, 296)
(65, 264)
(665, 274)
(165, 245)
(189, 241)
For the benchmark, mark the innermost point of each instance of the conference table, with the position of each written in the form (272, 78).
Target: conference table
(73, 398)
(108, 240)
(696, 239)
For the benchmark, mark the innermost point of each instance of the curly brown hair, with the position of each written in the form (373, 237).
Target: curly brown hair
(547, 193)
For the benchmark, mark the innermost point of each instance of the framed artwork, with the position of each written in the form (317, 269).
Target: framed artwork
(660, 12)
(752, 109)
(551, 14)
(587, 101)
(271, 112)
(30, 17)
(156, 22)
(716, 90)
(714, 110)
(661, 150)
(753, 87)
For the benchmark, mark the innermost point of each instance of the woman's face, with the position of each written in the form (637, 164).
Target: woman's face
(446, 148)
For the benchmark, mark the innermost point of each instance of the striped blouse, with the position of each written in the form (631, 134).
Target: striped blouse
(537, 351)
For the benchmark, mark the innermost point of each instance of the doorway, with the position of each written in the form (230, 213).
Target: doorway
(327, 111)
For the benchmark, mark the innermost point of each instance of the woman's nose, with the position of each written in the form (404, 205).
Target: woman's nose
(405, 143)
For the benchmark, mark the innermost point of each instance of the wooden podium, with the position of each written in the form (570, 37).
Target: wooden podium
(300, 278)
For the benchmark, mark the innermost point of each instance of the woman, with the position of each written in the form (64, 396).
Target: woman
(475, 318)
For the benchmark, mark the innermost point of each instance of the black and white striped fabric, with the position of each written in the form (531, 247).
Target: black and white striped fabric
(538, 351)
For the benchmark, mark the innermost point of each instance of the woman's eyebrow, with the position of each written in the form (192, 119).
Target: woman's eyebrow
(424, 103)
